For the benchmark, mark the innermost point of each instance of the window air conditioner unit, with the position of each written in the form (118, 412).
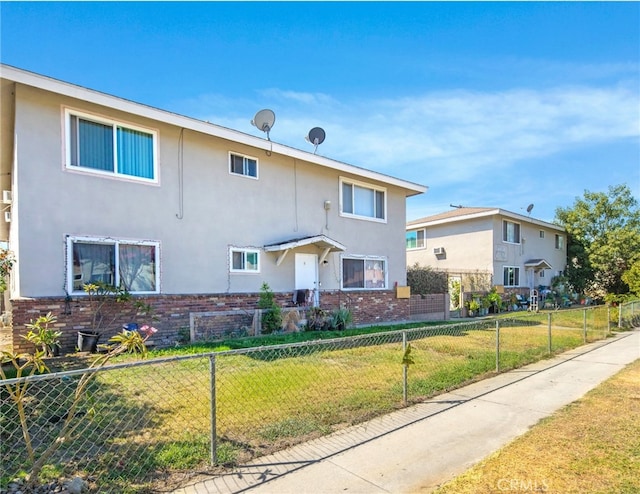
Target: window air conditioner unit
(438, 251)
(6, 197)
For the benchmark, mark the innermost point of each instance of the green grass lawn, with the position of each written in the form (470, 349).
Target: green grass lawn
(144, 424)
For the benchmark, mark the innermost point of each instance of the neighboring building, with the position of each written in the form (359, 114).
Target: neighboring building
(514, 251)
(190, 216)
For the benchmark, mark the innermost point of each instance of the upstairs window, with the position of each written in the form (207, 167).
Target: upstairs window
(126, 264)
(103, 146)
(363, 201)
(243, 165)
(559, 242)
(415, 239)
(541, 233)
(244, 260)
(511, 232)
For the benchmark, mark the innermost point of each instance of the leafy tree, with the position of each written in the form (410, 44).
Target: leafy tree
(604, 240)
(632, 278)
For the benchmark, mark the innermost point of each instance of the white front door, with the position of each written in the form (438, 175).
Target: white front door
(307, 274)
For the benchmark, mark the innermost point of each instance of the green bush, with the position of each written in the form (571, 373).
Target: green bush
(425, 280)
(271, 313)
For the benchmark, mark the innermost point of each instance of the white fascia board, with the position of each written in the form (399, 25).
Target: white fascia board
(453, 219)
(117, 103)
(492, 212)
(533, 221)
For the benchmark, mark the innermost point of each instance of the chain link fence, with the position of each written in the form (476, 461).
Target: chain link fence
(149, 426)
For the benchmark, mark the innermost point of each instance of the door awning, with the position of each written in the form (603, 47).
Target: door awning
(537, 264)
(321, 241)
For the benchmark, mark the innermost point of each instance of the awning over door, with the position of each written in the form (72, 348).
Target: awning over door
(537, 264)
(321, 241)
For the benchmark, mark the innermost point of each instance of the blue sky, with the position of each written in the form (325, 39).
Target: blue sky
(488, 104)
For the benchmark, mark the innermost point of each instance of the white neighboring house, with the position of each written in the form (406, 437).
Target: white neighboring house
(517, 251)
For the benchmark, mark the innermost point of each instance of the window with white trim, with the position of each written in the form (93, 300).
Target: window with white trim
(510, 232)
(541, 233)
(511, 276)
(243, 165)
(364, 273)
(104, 146)
(416, 239)
(361, 200)
(559, 242)
(131, 265)
(244, 260)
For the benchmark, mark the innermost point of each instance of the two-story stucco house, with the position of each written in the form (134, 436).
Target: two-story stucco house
(514, 251)
(190, 216)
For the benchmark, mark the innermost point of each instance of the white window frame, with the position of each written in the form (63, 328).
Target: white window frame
(69, 113)
(541, 233)
(244, 251)
(419, 244)
(559, 241)
(516, 270)
(343, 181)
(517, 233)
(244, 165)
(71, 239)
(364, 260)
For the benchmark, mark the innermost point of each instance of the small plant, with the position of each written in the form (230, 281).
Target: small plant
(184, 336)
(473, 306)
(128, 341)
(318, 319)
(43, 336)
(495, 300)
(272, 315)
(341, 318)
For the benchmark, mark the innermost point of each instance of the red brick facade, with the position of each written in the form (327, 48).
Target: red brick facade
(172, 313)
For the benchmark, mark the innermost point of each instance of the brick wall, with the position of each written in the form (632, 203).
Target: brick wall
(172, 313)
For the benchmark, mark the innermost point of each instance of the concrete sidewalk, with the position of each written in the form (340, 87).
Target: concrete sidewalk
(419, 448)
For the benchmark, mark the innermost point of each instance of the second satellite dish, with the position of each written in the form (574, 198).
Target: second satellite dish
(529, 208)
(264, 120)
(316, 137)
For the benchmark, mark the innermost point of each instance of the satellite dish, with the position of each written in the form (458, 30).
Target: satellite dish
(529, 208)
(264, 120)
(316, 137)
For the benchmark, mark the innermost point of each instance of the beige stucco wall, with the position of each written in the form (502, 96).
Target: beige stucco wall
(477, 245)
(219, 209)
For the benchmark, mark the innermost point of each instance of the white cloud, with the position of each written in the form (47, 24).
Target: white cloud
(440, 139)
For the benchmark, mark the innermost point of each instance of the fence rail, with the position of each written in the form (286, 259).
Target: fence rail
(146, 426)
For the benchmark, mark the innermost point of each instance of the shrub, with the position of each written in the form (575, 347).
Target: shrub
(271, 313)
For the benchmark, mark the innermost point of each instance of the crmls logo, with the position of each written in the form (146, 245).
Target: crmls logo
(520, 485)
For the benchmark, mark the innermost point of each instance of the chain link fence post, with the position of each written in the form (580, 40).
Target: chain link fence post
(212, 381)
(584, 326)
(549, 332)
(405, 369)
(497, 345)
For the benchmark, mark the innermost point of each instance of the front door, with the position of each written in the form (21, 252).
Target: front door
(307, 274)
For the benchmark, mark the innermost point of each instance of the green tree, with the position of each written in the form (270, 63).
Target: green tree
(632, 278)
(604, 240)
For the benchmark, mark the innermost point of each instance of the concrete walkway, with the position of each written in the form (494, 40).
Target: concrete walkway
(419, 448)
